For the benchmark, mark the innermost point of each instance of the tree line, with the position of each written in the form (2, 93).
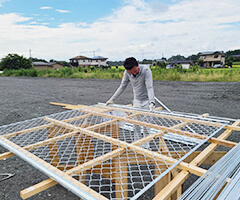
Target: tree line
(15, 61)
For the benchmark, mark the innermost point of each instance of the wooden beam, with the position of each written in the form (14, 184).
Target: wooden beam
(68, 106)
(223, 142)
(233, 127)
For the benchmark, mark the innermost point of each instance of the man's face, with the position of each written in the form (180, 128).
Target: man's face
(134, 70)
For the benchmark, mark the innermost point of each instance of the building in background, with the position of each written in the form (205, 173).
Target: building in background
(47, 65)
(186, 64)
(212, 59)
(83, 61)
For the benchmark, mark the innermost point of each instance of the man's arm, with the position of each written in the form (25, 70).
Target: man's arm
(121, 88)
(149, 86)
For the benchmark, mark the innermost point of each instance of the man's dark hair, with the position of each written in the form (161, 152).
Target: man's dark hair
(129, 63)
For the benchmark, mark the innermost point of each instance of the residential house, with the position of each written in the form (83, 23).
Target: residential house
(186, 64)
(47, 65)
(84, 61)
(212, 58)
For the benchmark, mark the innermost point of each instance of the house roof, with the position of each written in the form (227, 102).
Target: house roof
(98, 58)
(39, 63)
(180, 62)
(79, 58)
(84, 57)
(211, 52)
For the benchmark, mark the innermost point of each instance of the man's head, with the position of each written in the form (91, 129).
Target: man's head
(131, 65)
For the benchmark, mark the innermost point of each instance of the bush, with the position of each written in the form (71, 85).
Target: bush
(195, 68)
(66, 71)
(14, 61)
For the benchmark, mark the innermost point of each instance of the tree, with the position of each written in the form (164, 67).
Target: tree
(38, 60)
(14, 61)
(63, 63)
(177, 58)
(194, 57)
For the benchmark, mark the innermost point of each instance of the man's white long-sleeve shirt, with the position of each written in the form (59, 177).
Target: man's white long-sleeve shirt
(142, 85)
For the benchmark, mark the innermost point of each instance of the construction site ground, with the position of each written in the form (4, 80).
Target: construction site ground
(27, 98)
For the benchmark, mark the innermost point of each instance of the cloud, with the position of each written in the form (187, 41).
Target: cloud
(46, 8)
(135, 29)
(2, 1)
(62, 11)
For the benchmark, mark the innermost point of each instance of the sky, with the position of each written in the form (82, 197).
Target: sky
(116, 29)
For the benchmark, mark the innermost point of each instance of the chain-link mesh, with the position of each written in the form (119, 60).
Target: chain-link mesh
(108, 152)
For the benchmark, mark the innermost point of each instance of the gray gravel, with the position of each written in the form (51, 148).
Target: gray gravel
(27, 98)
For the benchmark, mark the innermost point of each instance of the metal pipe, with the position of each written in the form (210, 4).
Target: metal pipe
(162, 104)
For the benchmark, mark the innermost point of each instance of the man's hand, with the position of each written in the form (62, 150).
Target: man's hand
(109, 102)
(152, 106)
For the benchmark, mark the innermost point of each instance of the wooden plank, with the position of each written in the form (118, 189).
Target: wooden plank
(68, 106)
(170, 188)
(6, 155)
(120, 174)
(35, 189)
(163, 181)
(53, 146)
(233, 127)
(223, 142)
(166, 179)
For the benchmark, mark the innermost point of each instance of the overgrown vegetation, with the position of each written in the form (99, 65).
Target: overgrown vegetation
(15, 65)
(177, 74)
(14, 61)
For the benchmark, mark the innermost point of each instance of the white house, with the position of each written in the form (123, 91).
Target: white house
(84, 61)
(186, 64)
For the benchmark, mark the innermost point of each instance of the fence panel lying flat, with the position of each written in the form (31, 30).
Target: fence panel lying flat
(109, 152)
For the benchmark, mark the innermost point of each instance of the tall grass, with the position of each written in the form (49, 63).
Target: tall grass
(178, 74)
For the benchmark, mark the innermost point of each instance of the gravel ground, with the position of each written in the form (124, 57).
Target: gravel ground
(27, 98)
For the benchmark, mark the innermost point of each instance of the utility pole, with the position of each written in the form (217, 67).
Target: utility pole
(30, 56)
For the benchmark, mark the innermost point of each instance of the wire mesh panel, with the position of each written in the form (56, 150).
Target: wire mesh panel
(100, 152)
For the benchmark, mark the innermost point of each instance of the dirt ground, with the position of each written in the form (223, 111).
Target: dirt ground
(27, 98)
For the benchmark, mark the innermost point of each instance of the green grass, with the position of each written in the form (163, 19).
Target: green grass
(236, 66)
(195, 74)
